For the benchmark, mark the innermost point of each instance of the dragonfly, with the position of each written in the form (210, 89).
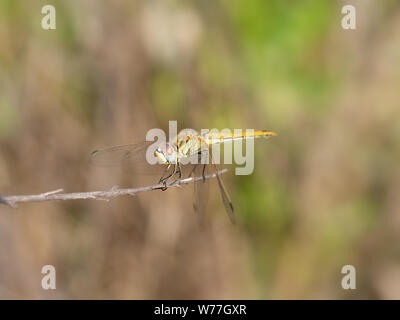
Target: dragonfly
(189, 147)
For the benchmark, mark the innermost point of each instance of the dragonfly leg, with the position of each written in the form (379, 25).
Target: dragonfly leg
(179, 171)
(191, 172)
(203, 173)
(165, 171)
(164, 180)
(171, 174)
(195, 166)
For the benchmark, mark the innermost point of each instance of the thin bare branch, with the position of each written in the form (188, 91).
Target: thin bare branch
(56, 195)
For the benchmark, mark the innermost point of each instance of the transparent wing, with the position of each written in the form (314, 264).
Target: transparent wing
(200, 195)
(225, 196)
(199, 190)
(132, 155)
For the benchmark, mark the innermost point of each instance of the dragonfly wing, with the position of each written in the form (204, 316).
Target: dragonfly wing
(225, 196)
(200, 196)
(130, 155)
(226, 200)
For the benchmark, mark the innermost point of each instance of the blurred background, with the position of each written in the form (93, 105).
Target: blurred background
(324, 193)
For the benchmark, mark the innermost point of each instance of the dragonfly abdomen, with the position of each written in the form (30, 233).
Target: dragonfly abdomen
(222, 137)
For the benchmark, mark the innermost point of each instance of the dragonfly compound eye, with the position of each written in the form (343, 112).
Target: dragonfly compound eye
(170, 150)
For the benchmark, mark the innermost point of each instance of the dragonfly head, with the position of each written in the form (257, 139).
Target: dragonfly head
(166, 153)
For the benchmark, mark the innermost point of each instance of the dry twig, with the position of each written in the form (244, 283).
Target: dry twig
(56, 195)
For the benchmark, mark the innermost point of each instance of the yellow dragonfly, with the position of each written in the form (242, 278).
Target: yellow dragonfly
(188, 147)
